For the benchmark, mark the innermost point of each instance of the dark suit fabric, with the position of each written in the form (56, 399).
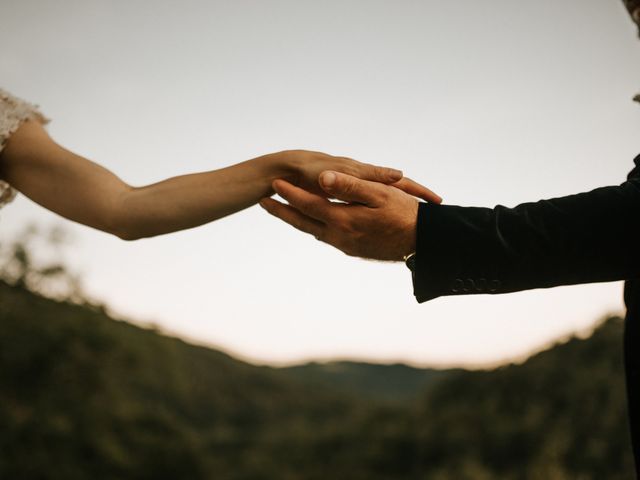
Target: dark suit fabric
(583, 238)
(632, 362)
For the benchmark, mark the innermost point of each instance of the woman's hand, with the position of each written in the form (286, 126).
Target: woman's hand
(85, 192)
(303, 168)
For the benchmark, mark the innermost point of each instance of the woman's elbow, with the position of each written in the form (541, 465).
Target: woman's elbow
(120, 224)
(120, 228)
(121, 220)
(127, 235)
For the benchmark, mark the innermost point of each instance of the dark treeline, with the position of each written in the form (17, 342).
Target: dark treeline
(85, 396)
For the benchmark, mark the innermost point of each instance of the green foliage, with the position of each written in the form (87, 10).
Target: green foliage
(43, 273)
(85, 396)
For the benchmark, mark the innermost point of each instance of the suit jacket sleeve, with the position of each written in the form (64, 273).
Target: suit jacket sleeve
(583, 238)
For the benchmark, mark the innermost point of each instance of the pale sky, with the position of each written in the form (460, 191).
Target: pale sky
(485, 102)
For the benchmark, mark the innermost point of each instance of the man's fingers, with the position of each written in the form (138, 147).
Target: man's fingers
(351, 189)
(417, 190)
(293, 217)
(366, 171)
(309, 204)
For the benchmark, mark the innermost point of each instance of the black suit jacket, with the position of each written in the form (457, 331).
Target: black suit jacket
(584, 238)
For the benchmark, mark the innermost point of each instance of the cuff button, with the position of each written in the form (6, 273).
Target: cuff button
(469, 285)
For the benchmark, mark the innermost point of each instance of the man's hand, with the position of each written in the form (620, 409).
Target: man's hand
(379, 222)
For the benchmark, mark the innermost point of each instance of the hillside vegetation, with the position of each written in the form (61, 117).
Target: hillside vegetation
(85, 396)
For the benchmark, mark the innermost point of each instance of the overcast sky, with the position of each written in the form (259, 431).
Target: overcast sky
(486, 102)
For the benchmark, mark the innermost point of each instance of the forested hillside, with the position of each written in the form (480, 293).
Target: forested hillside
(85, 396)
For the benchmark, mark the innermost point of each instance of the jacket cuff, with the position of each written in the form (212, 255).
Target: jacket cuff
(433, 268)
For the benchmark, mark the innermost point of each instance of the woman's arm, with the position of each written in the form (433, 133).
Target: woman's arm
(85, 192)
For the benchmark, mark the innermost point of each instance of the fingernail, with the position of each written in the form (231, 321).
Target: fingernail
(328, 179)
(397, 173)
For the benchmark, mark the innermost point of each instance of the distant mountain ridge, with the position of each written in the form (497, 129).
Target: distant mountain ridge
(396, 382)
(85, 396)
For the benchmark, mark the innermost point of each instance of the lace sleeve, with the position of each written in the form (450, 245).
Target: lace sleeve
(13, 112)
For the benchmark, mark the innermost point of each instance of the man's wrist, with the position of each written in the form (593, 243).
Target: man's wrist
(410, 235)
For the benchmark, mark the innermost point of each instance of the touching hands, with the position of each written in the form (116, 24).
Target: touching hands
(302, 168)
(377, 222)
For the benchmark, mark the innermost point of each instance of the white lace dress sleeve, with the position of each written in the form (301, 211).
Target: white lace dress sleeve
(13, 112)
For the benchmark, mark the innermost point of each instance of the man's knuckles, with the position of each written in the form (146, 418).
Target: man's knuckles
(384, 193)
(345, 225)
